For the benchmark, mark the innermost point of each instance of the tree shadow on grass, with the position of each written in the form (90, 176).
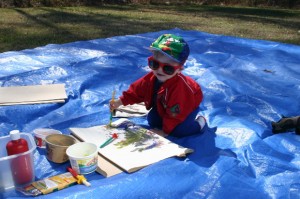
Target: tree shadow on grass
(260, 15)
(62, 25)
(55, 25)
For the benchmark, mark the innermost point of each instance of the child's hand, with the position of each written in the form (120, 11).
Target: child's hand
(114, 104)
(159, 132)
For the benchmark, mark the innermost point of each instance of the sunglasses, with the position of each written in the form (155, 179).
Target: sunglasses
(166, 68)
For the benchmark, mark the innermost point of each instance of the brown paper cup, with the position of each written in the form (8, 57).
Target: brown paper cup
(56, 146)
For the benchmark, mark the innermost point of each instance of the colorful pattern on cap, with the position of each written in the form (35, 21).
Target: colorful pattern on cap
(172, 46)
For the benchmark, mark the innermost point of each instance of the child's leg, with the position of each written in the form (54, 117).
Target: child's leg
(154, 119)
(188, 127)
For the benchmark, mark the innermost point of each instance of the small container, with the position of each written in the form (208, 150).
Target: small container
(56, 146)
(83, 157)
(41, 134)
(6, 161)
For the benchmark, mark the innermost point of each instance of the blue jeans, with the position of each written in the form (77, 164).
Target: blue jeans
(188, 127)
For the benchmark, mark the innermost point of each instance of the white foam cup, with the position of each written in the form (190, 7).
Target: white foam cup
(41, 134)
(83, 157)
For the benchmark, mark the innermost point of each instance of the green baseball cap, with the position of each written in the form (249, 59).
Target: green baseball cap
(172, 46)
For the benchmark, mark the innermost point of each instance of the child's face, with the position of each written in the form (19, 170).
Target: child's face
(159, 73)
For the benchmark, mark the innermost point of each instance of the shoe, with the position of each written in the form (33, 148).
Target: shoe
(286, 124)
(202, 121)
(297, 131)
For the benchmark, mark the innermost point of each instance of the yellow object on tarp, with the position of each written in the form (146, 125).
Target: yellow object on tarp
(49, 185)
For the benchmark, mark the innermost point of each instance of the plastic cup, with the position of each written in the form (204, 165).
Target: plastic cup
(41, 134)
(56, 146)
(83, 157)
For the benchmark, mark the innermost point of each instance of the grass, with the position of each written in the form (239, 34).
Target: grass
(23, 28)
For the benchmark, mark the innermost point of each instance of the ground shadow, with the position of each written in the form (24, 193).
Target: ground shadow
(206, 153)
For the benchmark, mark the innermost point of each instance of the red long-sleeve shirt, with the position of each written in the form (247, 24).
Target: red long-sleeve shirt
(176, 98)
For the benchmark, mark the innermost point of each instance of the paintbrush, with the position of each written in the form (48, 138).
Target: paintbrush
(111, 111)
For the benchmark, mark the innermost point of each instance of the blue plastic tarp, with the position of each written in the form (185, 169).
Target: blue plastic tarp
(247, 84)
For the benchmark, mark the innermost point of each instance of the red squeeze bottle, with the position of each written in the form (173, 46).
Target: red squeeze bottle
(21, 166)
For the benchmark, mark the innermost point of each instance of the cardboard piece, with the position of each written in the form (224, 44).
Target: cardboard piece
(134, 148)
(106, 167)
(52, 93)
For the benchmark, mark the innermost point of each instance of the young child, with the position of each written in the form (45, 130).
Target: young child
(173, 98)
